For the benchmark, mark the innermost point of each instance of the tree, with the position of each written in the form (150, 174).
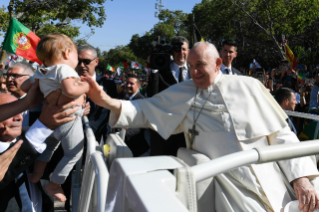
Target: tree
(257, 25)
(171, 24)
(46, 16)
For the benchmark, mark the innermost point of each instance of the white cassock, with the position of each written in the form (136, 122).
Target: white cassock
(240, 114)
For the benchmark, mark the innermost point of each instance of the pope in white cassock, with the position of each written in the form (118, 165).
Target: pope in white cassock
(222, 114)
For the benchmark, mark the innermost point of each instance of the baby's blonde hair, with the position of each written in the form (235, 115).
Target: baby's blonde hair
(52, 46)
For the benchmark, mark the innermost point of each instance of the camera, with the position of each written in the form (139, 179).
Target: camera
(161, 55)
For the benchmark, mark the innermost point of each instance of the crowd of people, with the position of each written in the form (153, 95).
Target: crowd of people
(198, 102)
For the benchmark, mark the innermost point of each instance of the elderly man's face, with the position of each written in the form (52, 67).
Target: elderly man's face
(14, 82)
(204, 68)
(10, 128)
(87, 63)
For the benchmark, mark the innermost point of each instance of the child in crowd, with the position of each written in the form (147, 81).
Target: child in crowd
(59, 56)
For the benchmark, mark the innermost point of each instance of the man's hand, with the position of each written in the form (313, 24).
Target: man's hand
(52, 115)
(306, 194)
(99, 97)
(96, 93)
(34, 96)
(7, 157)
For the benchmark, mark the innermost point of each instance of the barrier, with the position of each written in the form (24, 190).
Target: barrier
(88, 171)
(137, 195)
(89, 188)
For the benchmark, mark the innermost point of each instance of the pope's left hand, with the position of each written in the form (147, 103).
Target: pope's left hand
(306, 194)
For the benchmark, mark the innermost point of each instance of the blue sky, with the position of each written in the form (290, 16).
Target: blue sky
(125, 18)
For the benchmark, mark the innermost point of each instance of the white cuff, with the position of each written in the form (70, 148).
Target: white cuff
(131, 115)
(154, 71)
(37, 134)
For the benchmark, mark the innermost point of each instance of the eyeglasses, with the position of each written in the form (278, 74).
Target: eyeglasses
(85, 61)
(14, 76)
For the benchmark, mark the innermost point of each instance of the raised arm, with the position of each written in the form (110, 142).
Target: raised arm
(97, 95)
(74, 89)
(34, 98)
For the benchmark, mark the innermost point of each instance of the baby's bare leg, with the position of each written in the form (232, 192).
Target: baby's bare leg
(55, 190)
(39, 167)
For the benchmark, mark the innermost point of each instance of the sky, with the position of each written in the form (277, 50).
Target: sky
(124, 19)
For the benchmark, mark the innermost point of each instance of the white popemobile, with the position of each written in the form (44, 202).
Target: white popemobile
(112, 180)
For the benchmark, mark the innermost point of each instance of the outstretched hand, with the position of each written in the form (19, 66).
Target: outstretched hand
(96, 92)
(99, 97)
(7, 157)
(306, 194)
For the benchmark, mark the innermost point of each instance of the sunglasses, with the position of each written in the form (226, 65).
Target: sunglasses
(85, 61)
(14, 76)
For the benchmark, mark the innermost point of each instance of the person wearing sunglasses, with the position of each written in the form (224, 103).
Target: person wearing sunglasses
(87, 63)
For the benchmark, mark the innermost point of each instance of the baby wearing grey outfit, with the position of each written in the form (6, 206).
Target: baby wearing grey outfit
(71, 133)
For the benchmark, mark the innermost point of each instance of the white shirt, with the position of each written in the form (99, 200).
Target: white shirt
(36, 135)
(223, 67)
(94, 76)
(175, 71)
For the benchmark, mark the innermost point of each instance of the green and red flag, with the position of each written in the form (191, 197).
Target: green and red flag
(123, 65)
(110, 68)
(290, 57)
(21, 41)
(301, 76)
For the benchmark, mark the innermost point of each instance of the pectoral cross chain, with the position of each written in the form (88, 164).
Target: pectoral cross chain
(193, 133)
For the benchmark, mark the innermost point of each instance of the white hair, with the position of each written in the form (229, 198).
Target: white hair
(209, 47)
(27, 68)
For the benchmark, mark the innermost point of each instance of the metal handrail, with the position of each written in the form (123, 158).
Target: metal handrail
(88, 171)
(259, 155)
(302, 115)
(102, 179)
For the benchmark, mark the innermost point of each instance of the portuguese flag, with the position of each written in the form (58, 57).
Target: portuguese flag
(21, 41)
(123, 65)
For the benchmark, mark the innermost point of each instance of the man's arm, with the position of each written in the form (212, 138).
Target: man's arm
(51, 117)
(97, 95)
(34, 98)
(297, 171)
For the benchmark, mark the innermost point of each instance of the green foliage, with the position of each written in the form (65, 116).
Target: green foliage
(257, 25)
(4, 19)
(47, 16)
(80, 42)
(172, 23)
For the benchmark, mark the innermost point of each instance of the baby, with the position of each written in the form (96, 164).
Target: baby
(59, 56)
